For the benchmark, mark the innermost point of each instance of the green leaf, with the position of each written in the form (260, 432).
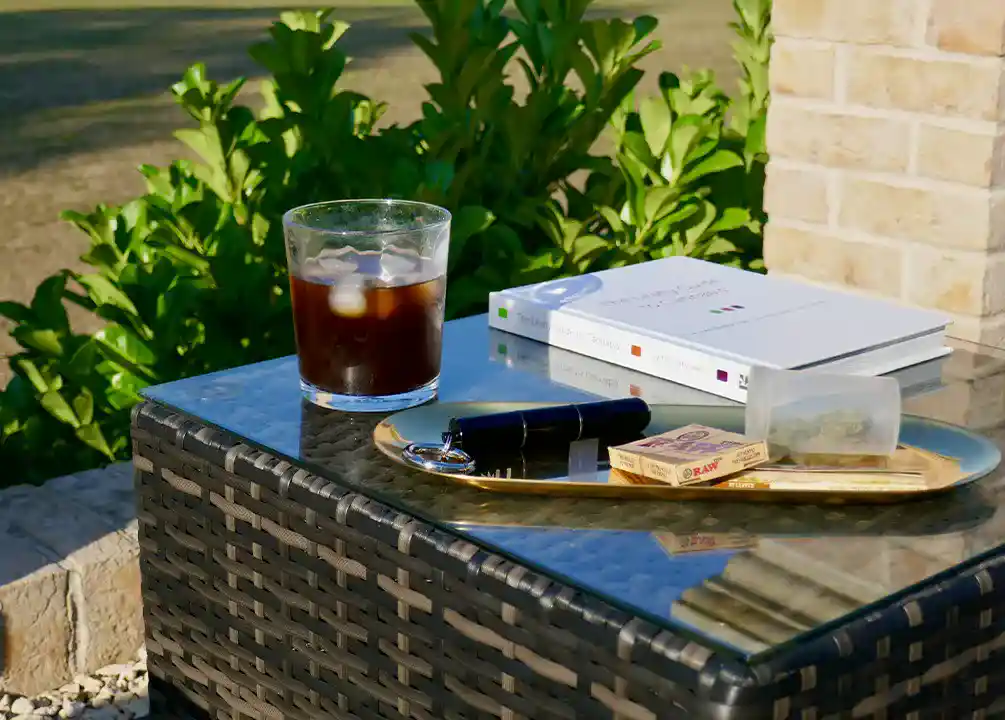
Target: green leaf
(186, 257)
(56, 405)
(206, 142)
(588, 245)
(694, 233)
(714, 163)
(659, 201)
(82, 362)
(467, 222)
(103, 291)
(633, 211)
(610, 215)
(123, 346)
(45, 341)
(655, 117)
(636, 146)
(92, 436)
(686, 132)
(470, 220)
(644, 26)
(719, 246)
(83, 406)
(47, 305)
(731, 219)
(31, 372)
(16, 312)
(681, 212)
(105, 256)
(125, 391)
(756, 142)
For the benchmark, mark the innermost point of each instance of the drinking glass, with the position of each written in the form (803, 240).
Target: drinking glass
(368, 279)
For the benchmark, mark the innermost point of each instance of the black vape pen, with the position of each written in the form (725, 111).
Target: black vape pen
(541, 431)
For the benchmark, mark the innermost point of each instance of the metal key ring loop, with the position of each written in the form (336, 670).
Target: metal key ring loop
(438, 457)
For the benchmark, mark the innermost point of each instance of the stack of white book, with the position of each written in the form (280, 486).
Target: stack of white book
(705, 325)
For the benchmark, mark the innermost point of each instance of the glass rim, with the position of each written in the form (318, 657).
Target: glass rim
(290, 220)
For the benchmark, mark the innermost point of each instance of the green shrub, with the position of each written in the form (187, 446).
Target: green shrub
(191, 277)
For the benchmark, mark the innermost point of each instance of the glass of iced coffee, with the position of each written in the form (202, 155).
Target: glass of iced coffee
(368, 279)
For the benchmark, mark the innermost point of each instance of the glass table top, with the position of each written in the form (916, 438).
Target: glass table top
(748, 579)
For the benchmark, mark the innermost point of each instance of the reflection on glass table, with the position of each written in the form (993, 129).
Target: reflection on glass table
(749, 579)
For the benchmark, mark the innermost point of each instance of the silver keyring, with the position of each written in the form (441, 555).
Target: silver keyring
(438, 457)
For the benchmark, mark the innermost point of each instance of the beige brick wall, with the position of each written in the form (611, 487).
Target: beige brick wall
(887, 142)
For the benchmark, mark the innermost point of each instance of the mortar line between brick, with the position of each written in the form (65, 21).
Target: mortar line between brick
(843, 233)
(839, 106)
(896, 179)
(928, 53)
(860, 236)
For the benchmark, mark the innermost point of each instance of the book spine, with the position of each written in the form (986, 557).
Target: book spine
(527, 319)
(661, 358)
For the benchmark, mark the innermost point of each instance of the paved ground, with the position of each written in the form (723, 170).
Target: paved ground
(82, 99)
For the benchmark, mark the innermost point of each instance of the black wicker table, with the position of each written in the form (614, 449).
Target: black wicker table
(291, 571)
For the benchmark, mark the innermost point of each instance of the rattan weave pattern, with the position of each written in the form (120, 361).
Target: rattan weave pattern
(272, 593)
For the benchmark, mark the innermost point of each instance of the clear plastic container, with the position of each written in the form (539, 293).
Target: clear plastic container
(810, 412)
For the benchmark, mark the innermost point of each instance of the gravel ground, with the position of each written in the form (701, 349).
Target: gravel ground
(116, 692)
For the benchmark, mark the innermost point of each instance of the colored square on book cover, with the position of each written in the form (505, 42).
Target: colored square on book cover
(501, 349)
(636, 351)
(635, 391)
(722, 376)
(503, 313)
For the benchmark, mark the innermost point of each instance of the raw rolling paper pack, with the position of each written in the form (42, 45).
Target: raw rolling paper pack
(690, 455)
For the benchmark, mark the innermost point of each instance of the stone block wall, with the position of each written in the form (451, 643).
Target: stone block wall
(887, 142)
(69, 579)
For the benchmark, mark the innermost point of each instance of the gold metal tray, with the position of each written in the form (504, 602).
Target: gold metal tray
(978, 457)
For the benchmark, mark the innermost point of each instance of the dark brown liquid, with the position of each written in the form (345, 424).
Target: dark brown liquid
(370, 341)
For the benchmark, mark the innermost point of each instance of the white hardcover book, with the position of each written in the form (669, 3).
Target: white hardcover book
(705, 325)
